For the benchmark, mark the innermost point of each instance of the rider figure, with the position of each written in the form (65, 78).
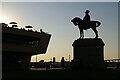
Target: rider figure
(87, 18)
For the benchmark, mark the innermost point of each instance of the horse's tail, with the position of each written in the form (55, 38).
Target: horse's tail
(98, 23)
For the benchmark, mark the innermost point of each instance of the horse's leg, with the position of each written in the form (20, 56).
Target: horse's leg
(96, 32)
(81, 33)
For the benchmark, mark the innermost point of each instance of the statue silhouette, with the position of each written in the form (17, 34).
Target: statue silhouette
(86, 24)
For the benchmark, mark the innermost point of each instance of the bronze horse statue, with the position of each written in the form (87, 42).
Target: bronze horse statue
(83, 25)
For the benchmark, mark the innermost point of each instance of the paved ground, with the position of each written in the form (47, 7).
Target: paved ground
(37, 69)
(60, 74)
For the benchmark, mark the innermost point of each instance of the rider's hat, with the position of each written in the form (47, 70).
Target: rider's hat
(87, 11)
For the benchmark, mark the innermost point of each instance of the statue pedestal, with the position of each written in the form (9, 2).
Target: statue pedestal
(88, 53)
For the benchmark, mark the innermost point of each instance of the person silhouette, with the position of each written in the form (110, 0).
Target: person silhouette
(63, 63)
(87, 16)
(86, 19)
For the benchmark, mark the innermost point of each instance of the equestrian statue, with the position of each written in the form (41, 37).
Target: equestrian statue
(85, 24)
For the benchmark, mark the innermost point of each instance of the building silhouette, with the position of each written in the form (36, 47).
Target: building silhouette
(18, 45)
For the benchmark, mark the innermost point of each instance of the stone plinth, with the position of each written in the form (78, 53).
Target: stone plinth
(88, 53)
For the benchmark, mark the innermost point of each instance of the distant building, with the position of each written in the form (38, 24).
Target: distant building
(18, 45)
(41, 61)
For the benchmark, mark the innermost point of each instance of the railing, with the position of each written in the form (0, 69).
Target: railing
(113, 60)
(113, 63)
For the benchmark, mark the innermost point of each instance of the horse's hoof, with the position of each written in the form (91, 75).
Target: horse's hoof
(80, 38)
(96, 37)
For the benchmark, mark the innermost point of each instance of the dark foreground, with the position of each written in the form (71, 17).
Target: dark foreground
(60, 74)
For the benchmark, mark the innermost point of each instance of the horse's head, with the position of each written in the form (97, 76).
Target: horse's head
(76, 20)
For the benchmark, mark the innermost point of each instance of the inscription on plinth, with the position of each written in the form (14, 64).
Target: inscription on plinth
(88, 53)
